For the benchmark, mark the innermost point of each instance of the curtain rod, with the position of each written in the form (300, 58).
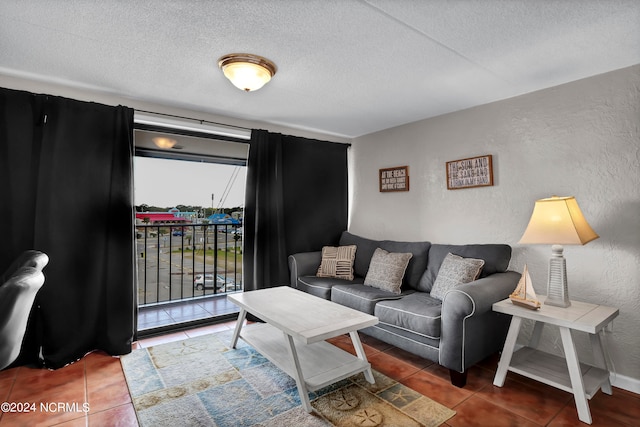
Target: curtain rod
(192, 119)
(224, 129)
(185, 124)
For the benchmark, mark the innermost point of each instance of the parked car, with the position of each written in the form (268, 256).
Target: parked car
(177, 233)
(206, 281)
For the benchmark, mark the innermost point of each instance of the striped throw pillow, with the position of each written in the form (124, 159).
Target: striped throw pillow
(337, 262)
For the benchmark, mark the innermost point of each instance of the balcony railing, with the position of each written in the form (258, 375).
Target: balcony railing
(181, 262)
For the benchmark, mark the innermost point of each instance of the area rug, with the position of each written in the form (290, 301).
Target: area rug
(203, 382)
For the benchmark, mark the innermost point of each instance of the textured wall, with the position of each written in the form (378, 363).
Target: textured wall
(580, 139)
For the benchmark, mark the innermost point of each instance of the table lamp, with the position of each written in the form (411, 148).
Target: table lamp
(558, 221)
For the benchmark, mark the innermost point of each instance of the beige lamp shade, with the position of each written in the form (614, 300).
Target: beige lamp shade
(558, 221)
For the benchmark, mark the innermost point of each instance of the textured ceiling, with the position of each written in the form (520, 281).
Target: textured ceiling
(345, 67)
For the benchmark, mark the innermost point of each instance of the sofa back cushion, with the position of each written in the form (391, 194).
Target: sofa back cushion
(364, 251)
(496, 260)
(366, 248)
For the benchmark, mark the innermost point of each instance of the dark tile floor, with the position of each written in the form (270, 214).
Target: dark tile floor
(97, 380)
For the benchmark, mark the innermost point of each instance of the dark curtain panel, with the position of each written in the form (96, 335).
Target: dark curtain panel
(296, 201)
(66, 170)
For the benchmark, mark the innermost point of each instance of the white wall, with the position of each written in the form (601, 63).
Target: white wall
(580, 139)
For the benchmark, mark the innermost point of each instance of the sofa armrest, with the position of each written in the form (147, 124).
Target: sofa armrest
(303, 264)
(478, 297)
(470, 329)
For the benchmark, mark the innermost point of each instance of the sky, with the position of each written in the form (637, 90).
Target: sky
(168, 183)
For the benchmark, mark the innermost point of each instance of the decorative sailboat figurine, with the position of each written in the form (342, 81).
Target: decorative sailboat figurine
(524, 295)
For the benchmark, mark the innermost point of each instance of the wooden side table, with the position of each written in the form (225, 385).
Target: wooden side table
(566, 374)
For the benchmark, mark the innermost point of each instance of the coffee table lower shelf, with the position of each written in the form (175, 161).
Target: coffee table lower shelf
(321, 363)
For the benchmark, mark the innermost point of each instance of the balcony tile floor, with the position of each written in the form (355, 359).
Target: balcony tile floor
(164, 315)
(97, 379)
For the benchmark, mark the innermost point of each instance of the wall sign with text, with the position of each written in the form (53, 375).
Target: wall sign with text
(394, 179)
(471, 172)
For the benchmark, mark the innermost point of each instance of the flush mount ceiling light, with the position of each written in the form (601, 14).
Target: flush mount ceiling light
(165, 143)
(246, 71)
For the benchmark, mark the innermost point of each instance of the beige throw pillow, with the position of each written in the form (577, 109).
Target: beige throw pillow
(455, 271)
(387, 269)
(337, 262)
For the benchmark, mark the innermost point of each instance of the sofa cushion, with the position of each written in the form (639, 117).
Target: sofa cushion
(417, 264)
(496, 260)
(337, 262)
(387, 269)
(364, 251)
(360, 297)
(321, 286)
(455, 270)
(418, 313)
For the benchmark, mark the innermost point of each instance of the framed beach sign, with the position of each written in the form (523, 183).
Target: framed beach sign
(394, 179)
(471, 172)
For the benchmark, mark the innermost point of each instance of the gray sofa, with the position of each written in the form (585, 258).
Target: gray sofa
(457, 332)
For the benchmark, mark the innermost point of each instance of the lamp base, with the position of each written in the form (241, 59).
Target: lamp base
(557, 286)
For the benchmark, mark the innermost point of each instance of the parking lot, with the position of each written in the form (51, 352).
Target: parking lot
(167, 265)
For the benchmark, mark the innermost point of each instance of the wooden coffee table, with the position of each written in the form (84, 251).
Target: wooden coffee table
(293, 337)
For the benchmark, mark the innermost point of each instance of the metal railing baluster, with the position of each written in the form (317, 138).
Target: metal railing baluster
(227, 266)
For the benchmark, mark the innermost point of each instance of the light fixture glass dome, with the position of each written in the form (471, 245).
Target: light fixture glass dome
(164, 143)
(246, 71)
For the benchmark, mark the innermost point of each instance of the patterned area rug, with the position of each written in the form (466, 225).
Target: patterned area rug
(203, 382)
